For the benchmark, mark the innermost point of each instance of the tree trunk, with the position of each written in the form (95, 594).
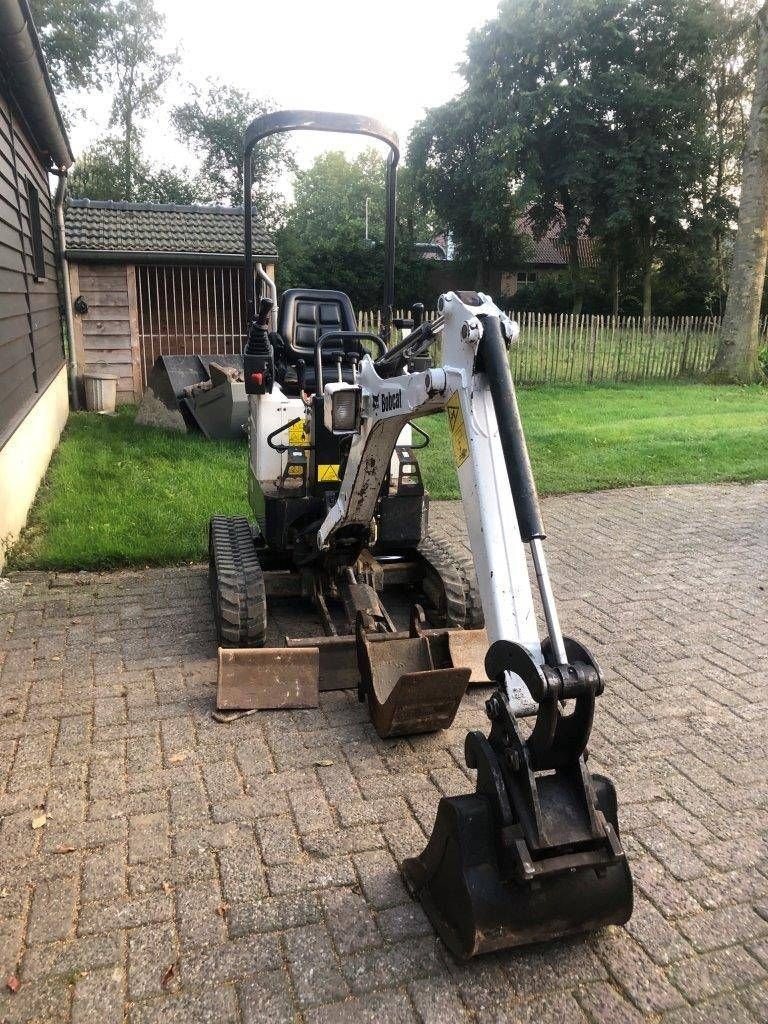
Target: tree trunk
(129, 155)
(615, 287)
(736, 360)
(646, 254)
(576, 279)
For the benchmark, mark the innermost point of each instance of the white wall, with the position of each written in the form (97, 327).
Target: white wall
(25, 456)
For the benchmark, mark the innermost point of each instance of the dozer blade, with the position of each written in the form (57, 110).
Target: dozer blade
(267, 677)
(477, 906)
(410, 682)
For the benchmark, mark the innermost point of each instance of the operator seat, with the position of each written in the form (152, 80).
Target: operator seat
(305, 315)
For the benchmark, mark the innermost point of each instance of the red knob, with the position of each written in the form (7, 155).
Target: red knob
(257, 378)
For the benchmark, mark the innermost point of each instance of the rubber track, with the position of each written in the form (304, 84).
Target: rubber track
(237, 583)
(457, 573)
(437, 553)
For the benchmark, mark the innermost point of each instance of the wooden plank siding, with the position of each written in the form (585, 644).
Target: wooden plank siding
(104, 340)
(31, 341)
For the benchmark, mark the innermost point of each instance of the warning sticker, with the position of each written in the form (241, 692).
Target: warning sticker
(298, 436)
(457, 430)
(327, 474)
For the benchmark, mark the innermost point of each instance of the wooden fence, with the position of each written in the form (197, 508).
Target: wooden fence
(563, 348)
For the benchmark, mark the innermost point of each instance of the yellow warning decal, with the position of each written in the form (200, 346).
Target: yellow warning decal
(327, 474)
(297, 435)
(295, 471)
(457, 430)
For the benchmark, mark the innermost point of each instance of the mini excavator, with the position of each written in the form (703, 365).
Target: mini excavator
(534, 853)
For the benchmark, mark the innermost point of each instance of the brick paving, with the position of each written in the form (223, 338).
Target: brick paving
(184, 870)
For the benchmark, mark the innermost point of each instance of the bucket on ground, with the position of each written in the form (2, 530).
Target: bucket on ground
(100, 392)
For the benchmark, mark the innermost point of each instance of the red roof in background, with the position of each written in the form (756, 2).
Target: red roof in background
(550, 251)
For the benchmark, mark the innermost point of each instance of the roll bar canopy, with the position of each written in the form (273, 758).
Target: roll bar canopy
(322, 121)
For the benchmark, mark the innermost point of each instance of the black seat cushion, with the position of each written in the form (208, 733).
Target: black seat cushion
(306, 314)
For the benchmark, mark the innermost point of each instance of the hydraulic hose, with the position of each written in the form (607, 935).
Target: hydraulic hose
(496, 366)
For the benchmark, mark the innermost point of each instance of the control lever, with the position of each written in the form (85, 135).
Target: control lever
(258, 358)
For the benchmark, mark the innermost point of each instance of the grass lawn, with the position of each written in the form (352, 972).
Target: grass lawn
(117, 494)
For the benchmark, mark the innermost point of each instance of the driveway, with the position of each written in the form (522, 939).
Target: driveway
(160, 866)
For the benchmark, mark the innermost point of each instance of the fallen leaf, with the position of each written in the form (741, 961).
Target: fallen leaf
(167, 888)
(13, 983)
(222, 910)
(64, 849)
(178, 757)
(169, 974)
(324, 764)
(39, 821)
(4, 894)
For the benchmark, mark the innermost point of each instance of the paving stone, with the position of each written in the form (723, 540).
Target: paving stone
(704, 977)
(314, 966)
(310, 810)
(392, 1008)
(99, 998)
(721, 1011)
(723, 927)
(437, 1003)
(53, 910)
(73, 956)
(380, 879)
(195, 1007)
(269, 878)
(152, 950)
(278, 840)
(267, 998)
(201, 913)
(644, 983)
(605, 1004)
(405, 921)
(350, 920)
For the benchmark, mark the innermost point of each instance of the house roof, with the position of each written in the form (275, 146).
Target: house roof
(160, 233)
(550, 251)
(24, 70)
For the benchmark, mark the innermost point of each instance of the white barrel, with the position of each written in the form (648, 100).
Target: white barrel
(100, 392)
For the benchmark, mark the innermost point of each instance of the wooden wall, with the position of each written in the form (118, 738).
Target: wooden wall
(106, 337)
(31, 342)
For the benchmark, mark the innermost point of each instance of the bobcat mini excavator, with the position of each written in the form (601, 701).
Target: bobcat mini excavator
(534, 853)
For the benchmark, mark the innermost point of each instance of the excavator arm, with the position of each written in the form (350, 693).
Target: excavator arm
(535, 853)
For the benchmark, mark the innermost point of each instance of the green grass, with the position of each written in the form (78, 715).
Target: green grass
(117, 494)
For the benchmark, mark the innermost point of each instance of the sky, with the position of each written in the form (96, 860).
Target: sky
(390, 60)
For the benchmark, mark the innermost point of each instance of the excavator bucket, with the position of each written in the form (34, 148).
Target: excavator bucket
(411, 683)
(534, 854)
(203, 394)
(475, 902)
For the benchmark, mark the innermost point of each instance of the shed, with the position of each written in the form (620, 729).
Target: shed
(33, 379)
(150, 279)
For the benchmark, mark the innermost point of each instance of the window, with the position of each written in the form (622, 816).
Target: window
(36, 231)
(526, 276)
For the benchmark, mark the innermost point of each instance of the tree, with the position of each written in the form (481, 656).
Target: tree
(72, 35)
(322, 243)
(213, 123)
(138, 71)
(461, 165)
(98, 174)
(578, 112)
(737, 355)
